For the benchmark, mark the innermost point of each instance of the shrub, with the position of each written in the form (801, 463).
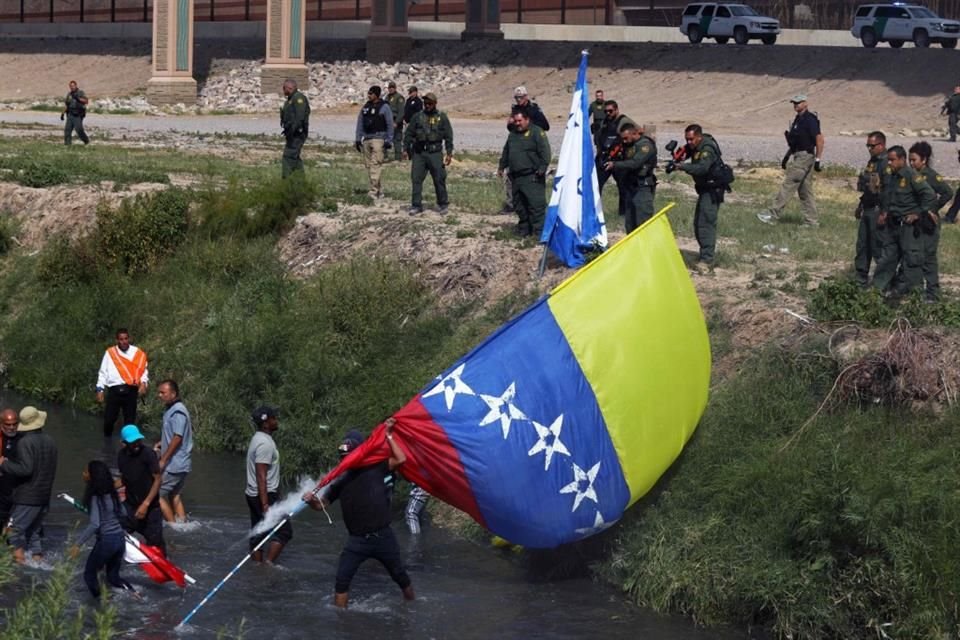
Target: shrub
(843, 299)
(136, 235)
(267, 208)
(40, 173)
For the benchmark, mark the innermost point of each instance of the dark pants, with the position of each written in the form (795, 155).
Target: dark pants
(74, 123)
(6, 507)
(952, 124)
(291, 154)
(530, 203)
(869, 244)
(705, 226)
(432, 163)
(602, 174)
(640, 207)
(931, 267)
(380, 545)
(151, 527)
(122, 397)
(397, 140)
(107, 552)
(951, 216)
(283, 535)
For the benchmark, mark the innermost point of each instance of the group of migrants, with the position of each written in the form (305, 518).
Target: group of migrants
(145, 486)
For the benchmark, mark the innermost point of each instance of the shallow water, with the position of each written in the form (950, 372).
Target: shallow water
(464, 590)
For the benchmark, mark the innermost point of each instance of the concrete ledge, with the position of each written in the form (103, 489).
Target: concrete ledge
(168, 91)
(360, 29)
(272, 77)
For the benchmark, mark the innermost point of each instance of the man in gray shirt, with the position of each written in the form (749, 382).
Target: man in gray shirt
(263, 480)
(176, 445)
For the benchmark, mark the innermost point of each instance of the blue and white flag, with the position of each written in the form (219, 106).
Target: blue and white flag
(575, 216)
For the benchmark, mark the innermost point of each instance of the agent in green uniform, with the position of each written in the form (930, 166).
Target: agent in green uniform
(703, 152)
(295, 123)
(74, 111)
(921, 162)
(596, 112)
(397, 105)
(633, 169)
(527, 155)
(429, 132)
(872, 185)
(908, 197)
(951, 108)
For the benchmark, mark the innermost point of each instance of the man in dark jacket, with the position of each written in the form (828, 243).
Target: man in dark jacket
(366, 513)
(35, 466)
(9, 421)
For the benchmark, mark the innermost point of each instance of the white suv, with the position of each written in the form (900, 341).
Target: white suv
(897, 23)
(721, 21)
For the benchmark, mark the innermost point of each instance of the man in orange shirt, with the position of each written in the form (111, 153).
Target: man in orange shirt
(122, 379)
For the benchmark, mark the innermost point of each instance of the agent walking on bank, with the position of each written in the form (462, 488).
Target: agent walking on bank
(122, 378)
(704, 155)
(804, 150)
(426, 137)
(397, 104)
(951, 108)
(366, 514)
(74, 111)
(374, 135)
(295, 123)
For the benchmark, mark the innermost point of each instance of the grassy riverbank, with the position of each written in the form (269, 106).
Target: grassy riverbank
(839, 528)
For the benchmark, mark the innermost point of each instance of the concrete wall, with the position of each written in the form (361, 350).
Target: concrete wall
(352, 30)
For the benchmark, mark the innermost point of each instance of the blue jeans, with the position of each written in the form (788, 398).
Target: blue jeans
(107, 552)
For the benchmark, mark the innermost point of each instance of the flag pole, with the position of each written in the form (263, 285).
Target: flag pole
(543, 261)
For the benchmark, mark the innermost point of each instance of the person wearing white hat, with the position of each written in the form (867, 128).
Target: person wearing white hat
(35, 465)
(805, 147)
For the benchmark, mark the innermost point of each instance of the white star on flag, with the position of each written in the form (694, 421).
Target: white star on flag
(502, 409)
(580, 477)
(598, 526)
(451, 386)
(553, 434)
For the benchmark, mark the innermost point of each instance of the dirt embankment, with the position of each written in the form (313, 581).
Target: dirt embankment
(724, 87)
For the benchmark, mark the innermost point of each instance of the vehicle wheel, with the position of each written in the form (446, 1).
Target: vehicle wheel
(921, 39)
(694, 35)
(948, 43)
(740, 35)
(896, 44)
(726, 39)
(868, 38)
(768, 39)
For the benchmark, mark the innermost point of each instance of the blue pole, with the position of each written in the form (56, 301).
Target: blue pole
(262, 542)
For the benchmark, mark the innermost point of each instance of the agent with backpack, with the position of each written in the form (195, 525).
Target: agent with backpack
(711, 178)
(74, 111)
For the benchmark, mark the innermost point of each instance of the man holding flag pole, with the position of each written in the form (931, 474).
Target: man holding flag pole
(574, 222)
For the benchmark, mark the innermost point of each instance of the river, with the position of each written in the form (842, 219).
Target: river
(464, 590)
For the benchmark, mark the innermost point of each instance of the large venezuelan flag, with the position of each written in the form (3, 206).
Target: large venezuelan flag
(547, 431)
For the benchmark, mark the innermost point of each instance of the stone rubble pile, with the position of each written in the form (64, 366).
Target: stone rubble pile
(332, 84)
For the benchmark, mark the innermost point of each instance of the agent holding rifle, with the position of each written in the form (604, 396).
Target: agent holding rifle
(608, 141)
(74, 111)
(704, 155)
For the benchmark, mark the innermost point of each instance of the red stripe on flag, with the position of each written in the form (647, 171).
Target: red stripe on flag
(432, 461)
(161, 569)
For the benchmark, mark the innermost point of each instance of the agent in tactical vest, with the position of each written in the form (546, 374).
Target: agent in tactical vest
(633, 169)
(429, 132)
(374, 135)
(74, 111)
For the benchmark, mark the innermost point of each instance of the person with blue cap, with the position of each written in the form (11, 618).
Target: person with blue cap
(141, 476)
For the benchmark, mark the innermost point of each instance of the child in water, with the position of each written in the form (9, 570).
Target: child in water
(103, 504)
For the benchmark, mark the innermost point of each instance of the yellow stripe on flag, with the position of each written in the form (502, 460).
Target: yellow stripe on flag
(634, 322)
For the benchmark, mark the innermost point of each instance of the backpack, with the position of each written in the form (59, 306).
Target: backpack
(721, 174)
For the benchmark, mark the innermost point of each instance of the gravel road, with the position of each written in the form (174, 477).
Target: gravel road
(470, 135)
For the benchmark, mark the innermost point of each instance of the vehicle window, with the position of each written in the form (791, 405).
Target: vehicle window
(887, 12)
(723, 12)
(904, 14)
(922, 12)
(692, 10)
(707, 11)
(742, 10)
(863, 12)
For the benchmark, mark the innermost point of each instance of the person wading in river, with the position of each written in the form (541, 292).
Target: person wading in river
(366, 513)
(263, 480)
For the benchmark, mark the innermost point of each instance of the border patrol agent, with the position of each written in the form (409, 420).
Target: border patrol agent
(295, 122)
(951, 108)
(374, 135)
(872, 185)
(607, 139)
(429, 132)
(74, 111)
(805, 146)
(527, 155)
(634, 171)
(919, 157)
(704, 153)
(397, 105)
(908, 197)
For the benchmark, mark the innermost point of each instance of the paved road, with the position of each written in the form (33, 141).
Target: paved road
(470, 135)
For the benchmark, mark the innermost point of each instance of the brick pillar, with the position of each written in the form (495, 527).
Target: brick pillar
(172, 80)
(482, 20)
(389, 40)
(286, 41)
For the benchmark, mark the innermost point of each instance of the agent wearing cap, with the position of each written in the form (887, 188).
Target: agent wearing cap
(397, 103)
(521, 102)
(805, 147)
(35, 466)
(366, 514)
(140, 474)
(414, 104)
(263, 481)
(427, 136)
(374, 135)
